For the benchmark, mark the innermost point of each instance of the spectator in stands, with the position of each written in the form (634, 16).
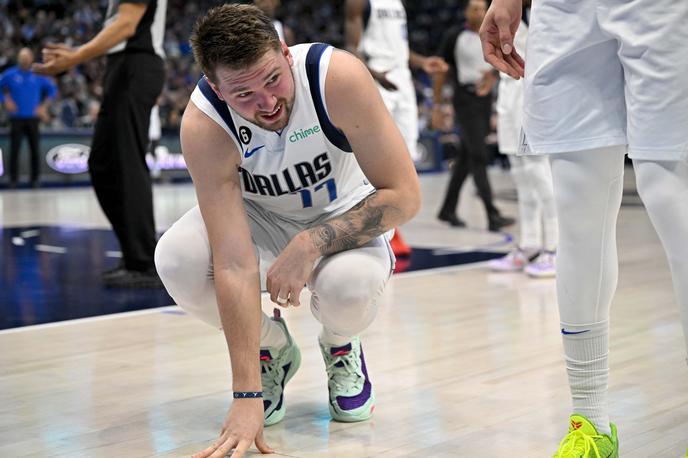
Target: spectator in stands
(77, 22)
(26, 97)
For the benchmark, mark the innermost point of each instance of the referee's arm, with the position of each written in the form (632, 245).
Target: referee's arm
(59, 57)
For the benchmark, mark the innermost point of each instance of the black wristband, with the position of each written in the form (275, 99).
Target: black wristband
(247, 394)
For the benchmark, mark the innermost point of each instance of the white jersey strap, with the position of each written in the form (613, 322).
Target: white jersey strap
(219, 105)
(333, 134)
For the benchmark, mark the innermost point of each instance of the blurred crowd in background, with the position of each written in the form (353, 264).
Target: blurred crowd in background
(32, 23)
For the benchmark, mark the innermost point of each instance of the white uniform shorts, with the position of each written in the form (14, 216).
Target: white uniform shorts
(607, 72)
(270, 234)
(509, 114)
(402, 106)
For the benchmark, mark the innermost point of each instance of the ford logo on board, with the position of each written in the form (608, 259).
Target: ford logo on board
(70, 158)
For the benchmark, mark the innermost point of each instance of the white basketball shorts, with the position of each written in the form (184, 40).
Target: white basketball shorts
(607, 72)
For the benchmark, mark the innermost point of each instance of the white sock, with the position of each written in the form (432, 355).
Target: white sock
(271, 334)
(586, 349)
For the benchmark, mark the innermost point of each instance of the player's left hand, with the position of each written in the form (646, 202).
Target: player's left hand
(57, 58)
(290, 271)
(433, 65)
(242, 427)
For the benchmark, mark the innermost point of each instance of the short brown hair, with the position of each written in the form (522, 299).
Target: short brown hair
(234, 36)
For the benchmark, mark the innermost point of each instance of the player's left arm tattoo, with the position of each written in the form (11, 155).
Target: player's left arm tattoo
(360, 224)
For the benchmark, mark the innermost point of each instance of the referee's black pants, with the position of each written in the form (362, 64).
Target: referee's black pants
(19, 128)
(473, 116)
(117, 164)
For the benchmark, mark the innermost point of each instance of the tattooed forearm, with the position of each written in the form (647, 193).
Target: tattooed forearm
(363, 222)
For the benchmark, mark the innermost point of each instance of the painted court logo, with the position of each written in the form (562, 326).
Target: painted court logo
(302, 134)
(71, 158)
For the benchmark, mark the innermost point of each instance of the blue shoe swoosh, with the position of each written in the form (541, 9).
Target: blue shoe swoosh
(249, 153)
(565, 332)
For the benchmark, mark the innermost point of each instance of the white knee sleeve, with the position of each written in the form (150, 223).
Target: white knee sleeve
(346, 288)
(588, 187)
(183, 261)
(663, 187)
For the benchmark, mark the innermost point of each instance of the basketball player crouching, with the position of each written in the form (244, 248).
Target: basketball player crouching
(300, 173)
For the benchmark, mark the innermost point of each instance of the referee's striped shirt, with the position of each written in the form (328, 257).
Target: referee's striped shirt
(150, 31)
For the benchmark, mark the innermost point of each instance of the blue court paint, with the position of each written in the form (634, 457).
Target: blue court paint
(43, 287)
(431, 258)
(61, 283)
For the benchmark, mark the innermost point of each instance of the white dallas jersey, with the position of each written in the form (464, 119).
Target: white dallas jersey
(280, 29)
(305, 171)
(385, 35)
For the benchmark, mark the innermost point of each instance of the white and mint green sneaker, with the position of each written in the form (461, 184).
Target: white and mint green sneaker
(351, 394)
(277, 367)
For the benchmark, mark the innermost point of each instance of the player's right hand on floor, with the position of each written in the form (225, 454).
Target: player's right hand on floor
(242, 427)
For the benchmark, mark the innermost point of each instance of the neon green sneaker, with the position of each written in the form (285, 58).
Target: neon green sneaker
(277, 367)
(351, 394)
(583, 441)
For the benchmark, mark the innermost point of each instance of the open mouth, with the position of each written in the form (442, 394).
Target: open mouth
(274, 114)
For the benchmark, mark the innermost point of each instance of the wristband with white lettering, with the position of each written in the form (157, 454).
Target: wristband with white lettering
(247, 394)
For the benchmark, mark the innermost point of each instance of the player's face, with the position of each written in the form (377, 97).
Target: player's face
(262, 93)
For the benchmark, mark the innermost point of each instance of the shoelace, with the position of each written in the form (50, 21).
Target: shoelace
(577, 443)
(270, 372)
(340, 375)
